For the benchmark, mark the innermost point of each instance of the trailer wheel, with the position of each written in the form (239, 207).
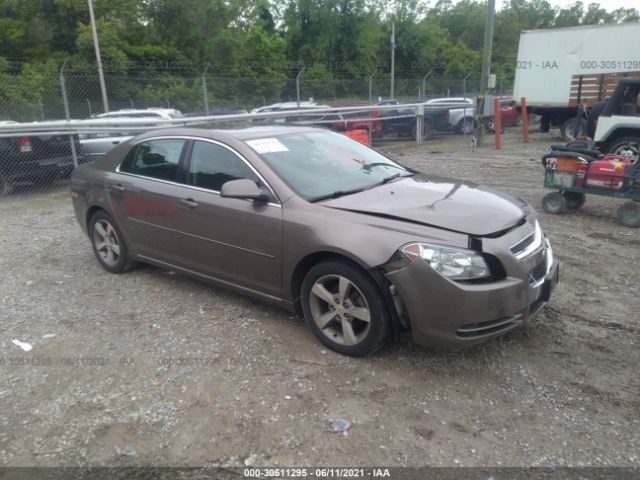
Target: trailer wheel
(627, 147)
(574, 200)
(629, 214)
(568, 129)
(554, 202)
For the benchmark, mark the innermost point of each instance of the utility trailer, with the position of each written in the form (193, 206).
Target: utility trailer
(559, 69)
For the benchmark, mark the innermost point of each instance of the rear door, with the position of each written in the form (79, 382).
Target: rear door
(234, 240)
(145, 194)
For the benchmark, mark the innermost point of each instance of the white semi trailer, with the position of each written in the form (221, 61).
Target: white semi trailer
(559, 69)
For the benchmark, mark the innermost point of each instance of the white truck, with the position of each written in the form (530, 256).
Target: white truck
(559, 69)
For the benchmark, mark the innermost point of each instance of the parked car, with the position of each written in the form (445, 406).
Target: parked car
(509, 116)
(99, 143)
(354, 120)
(40, 159)
(92, 144)
(167, 113)
(402, 122)
(390, 101)
(313, 221)
(283, 106)
(461, 112)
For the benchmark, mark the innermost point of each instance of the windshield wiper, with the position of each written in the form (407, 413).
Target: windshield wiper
(369, 166)
(389, 178)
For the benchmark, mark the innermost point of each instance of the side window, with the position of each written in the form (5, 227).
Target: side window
(212, 166)
(155, 158)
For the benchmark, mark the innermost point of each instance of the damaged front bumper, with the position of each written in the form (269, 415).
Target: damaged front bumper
(446, 314)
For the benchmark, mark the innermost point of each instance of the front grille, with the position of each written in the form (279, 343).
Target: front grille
(471, 330)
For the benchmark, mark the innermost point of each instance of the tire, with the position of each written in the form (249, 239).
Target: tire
(6, 186)
(427, 131)
(331, 293)
(554, 203)
(108, 244)
(516, 120)
(627, 147)
(466, 126)
(574, 200)
(568, 129)
(629, 214)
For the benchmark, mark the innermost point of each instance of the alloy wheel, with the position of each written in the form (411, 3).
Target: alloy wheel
(340, 310)
(106, 242)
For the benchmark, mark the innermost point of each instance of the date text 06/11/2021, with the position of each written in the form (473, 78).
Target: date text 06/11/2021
(317, 472)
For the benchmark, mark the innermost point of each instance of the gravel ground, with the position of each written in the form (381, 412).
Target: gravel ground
(155, 368)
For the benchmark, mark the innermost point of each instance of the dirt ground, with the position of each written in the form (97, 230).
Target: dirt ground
(152, 368)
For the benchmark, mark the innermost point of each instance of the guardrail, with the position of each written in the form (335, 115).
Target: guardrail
(41, 153)
(95, 125)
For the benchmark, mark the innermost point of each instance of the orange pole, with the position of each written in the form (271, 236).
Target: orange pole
(525, 120)
(497, 122)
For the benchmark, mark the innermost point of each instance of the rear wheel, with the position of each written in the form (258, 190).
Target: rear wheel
(629, 214)
(554, 202)
(344, 308)
(108, 244)
(627, 147)
(569, 130)
(574, 200)
(427, 131)
(466, 126)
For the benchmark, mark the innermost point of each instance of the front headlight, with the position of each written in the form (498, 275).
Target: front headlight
(453, 263)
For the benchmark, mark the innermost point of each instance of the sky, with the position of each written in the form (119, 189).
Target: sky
(608, 5)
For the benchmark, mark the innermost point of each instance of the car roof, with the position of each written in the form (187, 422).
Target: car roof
(450, 99)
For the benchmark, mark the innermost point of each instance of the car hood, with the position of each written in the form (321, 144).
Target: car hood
(441, 202)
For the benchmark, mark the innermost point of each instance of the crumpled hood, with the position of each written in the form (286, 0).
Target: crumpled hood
(441, 202)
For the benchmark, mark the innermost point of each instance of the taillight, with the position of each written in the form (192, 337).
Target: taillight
(24, 144)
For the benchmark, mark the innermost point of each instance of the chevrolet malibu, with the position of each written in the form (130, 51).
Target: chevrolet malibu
(366, 249)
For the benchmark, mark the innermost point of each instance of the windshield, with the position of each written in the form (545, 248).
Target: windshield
(320, 164)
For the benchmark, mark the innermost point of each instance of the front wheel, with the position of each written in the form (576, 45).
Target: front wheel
(344, 308)
(627, 147)
(108, 244)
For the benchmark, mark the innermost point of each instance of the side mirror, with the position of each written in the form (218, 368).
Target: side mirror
(243, 188)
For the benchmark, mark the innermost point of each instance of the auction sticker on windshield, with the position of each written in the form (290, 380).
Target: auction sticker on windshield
(267, 145)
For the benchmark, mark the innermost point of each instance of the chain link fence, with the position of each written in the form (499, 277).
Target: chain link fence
(36, 163)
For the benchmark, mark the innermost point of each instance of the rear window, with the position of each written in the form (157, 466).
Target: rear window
(155, 159)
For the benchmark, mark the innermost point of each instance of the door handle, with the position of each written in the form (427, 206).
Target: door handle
(189, 202)
(116, 142)
(117, 187)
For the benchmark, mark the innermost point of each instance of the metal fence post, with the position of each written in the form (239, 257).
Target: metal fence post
(371, 86)
(67, 115)
(41, 111)
(464, 110)
(204, 89)
(298, 85)
(89, 105)
(419, 124)
(424, 84)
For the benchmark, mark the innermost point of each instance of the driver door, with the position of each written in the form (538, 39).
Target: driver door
(234, 240)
